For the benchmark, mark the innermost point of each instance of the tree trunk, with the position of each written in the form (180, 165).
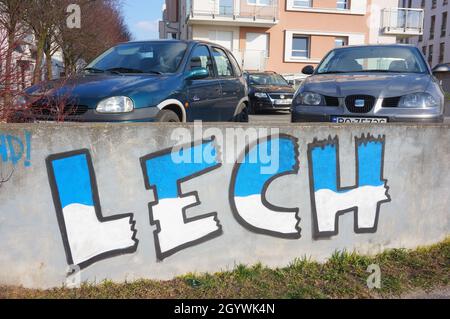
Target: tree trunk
(37, 74)
(7, 96)
(48, 64)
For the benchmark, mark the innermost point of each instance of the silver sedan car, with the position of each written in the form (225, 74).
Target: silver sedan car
(370, 84)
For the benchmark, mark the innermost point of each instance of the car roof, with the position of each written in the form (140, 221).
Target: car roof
(396, 45)
(188, 42)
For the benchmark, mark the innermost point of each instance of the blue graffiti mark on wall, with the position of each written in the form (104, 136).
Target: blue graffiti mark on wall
(330, 200)
(14, 149)
(88, 236)
(249, 186)
(164, 173)
(74, 184)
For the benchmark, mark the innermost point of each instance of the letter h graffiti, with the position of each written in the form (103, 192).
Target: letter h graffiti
(329, 200)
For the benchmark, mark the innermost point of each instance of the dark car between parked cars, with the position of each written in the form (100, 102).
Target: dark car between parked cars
(268, 91)
(167, 81)
(370, 84)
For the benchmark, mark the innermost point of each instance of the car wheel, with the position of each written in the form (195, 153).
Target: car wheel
(167, 116)
(243, 115)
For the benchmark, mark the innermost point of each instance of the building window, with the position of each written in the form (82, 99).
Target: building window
(342, 4)
(433, 4)
(441, 52)
(422, 4)
(430, 54)
(302, 3)
(300, 47)
(432, 26)
(340, 42)
(444, 24)
(445, 2)
(259, 2)
(424, 50)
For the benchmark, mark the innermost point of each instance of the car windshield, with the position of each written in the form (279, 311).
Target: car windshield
(373, 59)
(146, 57)
(267, 79)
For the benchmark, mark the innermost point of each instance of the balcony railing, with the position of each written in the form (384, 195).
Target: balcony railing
(264, 12)
(402, 21)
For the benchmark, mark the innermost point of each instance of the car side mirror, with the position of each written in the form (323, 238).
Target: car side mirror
(441, 68)
(308, 70)
(197, 74)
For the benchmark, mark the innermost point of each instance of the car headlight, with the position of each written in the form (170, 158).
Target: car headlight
(260, 95)
(116, 104)
(418, 100)
(309, 98)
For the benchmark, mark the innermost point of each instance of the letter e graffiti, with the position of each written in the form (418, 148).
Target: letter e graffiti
(249, 184)
(374, 280)
(74, 18)
(164, 175)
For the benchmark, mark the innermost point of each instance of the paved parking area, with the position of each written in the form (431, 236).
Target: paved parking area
(284, 117)
(271, 118)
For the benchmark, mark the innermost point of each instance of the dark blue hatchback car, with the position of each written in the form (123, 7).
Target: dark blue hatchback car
(165, 81)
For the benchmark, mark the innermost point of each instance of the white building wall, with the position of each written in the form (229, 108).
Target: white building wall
(374, 21)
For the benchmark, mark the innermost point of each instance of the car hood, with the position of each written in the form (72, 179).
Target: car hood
(378, 85)
(91, 89)
(272, 89)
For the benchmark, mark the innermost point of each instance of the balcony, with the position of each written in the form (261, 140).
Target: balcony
(262, 13)
(402, 22)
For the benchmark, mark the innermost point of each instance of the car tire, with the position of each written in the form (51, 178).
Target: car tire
(167, 116)
(243, 115)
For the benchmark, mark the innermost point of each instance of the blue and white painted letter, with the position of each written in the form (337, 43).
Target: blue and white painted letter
(249, 185)
(88, 236)
(330, 200)
(164, 172)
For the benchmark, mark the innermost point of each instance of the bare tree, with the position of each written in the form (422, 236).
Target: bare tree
(12, 34)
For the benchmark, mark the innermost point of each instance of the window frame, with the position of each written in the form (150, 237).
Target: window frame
(233, 75)
(308, 47)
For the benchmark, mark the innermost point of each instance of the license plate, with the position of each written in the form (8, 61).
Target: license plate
(361, 120)
(283, 102)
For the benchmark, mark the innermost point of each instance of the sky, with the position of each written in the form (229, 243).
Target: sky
(142, 17)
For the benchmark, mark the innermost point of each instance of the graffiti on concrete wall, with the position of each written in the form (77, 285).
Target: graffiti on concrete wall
(164, 174)
(249, 186)
(87, 236)
(329, 200)
(15, 148)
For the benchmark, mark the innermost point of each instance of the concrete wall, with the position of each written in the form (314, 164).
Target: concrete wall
(111, 200)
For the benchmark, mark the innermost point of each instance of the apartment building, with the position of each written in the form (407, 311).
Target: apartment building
(435, 41)
(286, 35)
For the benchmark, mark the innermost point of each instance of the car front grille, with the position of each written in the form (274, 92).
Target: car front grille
(331, 101)
(391, 101)
(69, 110)
(281, 96)
(351, 102)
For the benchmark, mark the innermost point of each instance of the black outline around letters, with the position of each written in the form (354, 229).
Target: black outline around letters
(160, 255)
(98, 211)
(264, 200)
(335, 141)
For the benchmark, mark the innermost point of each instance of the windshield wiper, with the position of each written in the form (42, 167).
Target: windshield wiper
(154, 72)
(120, 71)
(94, 70)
